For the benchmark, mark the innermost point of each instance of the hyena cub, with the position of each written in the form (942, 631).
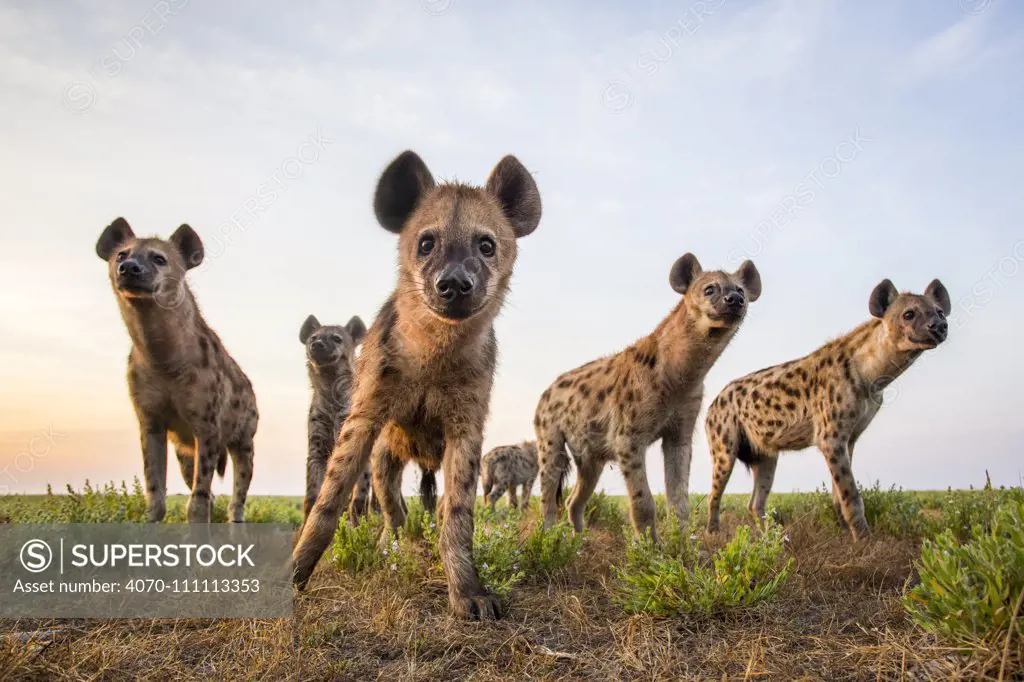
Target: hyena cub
(423, 378)
(614, 408)
(181, 380)
(331, 363)
(827, 399)
(505, 468)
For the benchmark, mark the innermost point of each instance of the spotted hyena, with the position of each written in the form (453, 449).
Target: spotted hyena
(506, 468)
(330, 363)
(614, 408)
(181, 380)
(423, 378)
(827, 398)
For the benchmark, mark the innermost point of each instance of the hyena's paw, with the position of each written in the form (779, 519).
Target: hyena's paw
(860, 529)
(484, 606)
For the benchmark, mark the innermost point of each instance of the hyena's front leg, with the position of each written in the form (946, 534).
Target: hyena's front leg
(837, 455)
(677, 451)
(321, 442)
(349, 458)
(201, 502)
(466, 593)
(154, 461)
(837, 499)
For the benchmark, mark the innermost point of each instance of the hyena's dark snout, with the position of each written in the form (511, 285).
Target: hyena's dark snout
(455, 282)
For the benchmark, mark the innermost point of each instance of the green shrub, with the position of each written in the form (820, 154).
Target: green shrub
(109, 503)
(745, 572)
(893, 511)
(968, 590)
(545, 552)
(816, 505)
(962, 510)
(604, 512)
(270, 510)
(355, 548)
(498, 557)
(416, 519)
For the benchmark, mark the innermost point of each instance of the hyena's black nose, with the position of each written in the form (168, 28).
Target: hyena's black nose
(454, 281)
(129, 267)
(317, 344)
(733, 298)
(940, 327)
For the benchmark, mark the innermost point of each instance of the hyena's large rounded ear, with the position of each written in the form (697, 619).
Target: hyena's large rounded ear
(356, 329)
(400, 189)
(683, 272)
(517, 193)
(750, 279)
(115, 234)
(308, 327)
(937, 292)
(882, 297)
(189, 245)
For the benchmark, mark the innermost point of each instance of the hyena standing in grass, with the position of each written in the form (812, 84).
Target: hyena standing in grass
(827, 398)
(181, 380)
(614, 408)
(330, 363)
(423, 378)
(507, 467)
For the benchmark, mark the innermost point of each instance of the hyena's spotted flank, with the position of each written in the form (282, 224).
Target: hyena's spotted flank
(182, 381)
(827, 398)
(423, 379)
(507, 467)
(614, 408)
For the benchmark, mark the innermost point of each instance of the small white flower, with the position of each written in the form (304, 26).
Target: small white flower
(431, 524)
(786, 537)
(693, 537)
(484, 565)
(394, 567)
(394, 545)
(385, 551)
(518, 552)
(515, 567)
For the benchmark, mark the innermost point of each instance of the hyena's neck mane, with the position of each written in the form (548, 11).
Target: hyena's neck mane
(165, 335)
(425, 336)
(683, 349)
(877, 359)
(331, 383)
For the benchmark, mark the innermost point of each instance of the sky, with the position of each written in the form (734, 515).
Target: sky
(835, 144)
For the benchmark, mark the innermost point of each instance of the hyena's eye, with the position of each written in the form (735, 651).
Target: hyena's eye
(122, 255)
(487, 246)
(159, 260)
(426, 245)
(335, 338)
(940, 313)
(709, 290)
(909, 315)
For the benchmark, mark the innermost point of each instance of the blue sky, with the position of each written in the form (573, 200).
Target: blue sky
(652, 129)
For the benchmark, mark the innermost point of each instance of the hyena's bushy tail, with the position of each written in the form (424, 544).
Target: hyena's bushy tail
(222, 463)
